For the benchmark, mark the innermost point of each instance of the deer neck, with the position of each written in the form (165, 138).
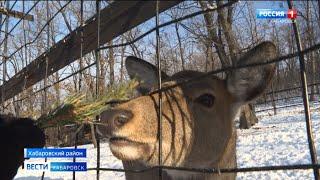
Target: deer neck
(227, 160)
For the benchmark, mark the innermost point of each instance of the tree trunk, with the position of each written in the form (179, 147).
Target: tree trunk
(213, 37)
(57, 88)
(273, 100)
(122, 61)
(93, 135)
(310, 39)
(111, 64)
(248, 117)
(180, 47)
(313, 78)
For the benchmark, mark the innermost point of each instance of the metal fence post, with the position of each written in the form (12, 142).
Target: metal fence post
(312, 148)
(160, 93)
(97, 85)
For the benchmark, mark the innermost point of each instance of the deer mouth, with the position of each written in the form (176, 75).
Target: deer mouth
(126, 149)
(122, 141)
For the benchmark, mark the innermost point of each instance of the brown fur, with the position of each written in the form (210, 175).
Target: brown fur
(193, 135)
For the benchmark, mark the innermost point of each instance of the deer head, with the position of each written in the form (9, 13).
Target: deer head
(197, 117)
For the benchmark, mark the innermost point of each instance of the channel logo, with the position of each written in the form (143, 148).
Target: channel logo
(33, 166)
(68, 166)
(276, 13)
(55, 153)
(32, 156)
(55, 166)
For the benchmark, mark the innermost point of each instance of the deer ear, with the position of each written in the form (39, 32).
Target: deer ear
(144, 72)
(246, 84)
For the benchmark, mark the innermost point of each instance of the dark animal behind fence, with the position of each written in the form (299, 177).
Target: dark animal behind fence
(15, 135)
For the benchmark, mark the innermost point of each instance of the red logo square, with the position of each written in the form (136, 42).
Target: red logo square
(292, 14)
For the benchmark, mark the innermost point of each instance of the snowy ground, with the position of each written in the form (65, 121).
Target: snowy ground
(276, 140)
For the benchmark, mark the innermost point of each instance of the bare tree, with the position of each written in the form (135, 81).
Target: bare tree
(224, 19)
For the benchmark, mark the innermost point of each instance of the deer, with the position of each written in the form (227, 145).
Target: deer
(198, 128)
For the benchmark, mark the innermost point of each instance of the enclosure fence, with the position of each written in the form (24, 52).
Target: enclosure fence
(300, 53)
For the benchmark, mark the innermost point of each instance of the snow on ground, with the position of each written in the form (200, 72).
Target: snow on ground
(276, 140)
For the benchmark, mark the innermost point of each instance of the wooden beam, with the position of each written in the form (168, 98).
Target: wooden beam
(116, 19)
(16, 14)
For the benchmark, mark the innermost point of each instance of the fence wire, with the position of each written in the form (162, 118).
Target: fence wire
(211, 73)
(315, 166)
(41, 30)
(22, 18)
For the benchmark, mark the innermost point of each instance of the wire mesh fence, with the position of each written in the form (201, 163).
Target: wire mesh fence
(303, 89)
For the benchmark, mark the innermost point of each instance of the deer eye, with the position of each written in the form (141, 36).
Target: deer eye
(206, 100)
